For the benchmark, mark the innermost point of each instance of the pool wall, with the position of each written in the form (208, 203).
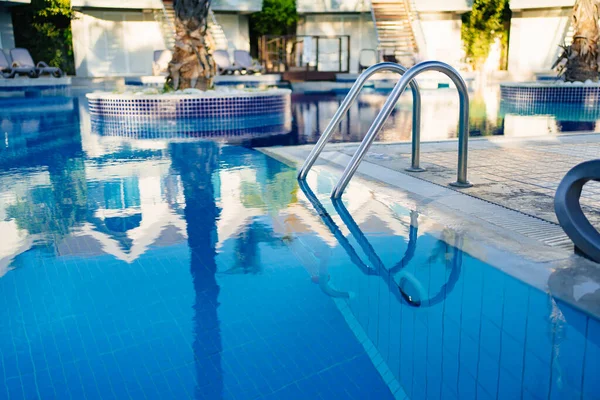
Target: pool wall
(531, 92)
(219, 105)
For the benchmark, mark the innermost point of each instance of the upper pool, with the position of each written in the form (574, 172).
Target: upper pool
(439, 121)
(134, 268)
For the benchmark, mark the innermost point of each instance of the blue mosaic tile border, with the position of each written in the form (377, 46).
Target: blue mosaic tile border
(560, 111)
(240, 127)
(276, 101)
(527, 93)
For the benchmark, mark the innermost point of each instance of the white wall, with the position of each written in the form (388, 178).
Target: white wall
(358, 26)
(236, 30)
(443, 5)
(311, 6)
(521, 4)
(236, 5)
(441, 32)
(534, 39)
(115, 43)
(136, 4)
(7, 36)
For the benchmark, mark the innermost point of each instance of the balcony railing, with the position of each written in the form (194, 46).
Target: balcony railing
(305, 53)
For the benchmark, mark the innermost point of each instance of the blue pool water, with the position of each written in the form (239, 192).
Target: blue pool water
(161, 269)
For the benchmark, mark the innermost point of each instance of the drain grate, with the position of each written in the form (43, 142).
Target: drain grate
(534, 228)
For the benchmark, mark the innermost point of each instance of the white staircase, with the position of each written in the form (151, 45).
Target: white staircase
(217, 33)
(166, 18)
(394, 23)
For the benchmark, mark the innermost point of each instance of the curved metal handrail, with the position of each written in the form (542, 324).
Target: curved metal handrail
(568, 209)
(349, 100)
(407, 78)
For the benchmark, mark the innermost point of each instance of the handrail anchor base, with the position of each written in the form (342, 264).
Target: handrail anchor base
(462, 185)
(415, 169)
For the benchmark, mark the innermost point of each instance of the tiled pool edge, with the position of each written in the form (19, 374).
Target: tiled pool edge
(526, 93)
(371, 350)
(376, 358)
(523, 257)
(188, 106)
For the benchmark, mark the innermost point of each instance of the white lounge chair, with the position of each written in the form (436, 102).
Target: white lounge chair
(22, 59)
(10, 68)
(5, 69)
(243, 59)
(224, 65)
(160, 65)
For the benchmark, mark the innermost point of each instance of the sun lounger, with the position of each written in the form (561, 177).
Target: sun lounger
(5, 69)
(224, 65)
(243, 59)
(22, 59)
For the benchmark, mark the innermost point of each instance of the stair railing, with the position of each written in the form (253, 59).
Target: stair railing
(349, 100)
(407, 78)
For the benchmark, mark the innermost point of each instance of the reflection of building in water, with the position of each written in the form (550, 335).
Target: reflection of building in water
(132, 206)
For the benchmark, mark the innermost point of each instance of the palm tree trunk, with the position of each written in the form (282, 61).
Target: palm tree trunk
(579, 61)
(192, 65)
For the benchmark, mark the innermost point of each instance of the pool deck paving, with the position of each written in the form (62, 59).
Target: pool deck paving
(520, 174)
(509, 210)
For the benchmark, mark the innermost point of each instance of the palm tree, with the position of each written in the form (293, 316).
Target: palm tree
(192, 65)
(579, 61)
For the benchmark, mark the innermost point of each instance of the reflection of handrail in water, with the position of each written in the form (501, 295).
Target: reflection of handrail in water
(412, 244)
(326, 218)
(333, 227)
(335, 230)
(365, 269)
(456, 266)
(398, 272)
(382, 271)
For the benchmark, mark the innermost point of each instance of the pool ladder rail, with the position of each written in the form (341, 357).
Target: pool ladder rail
(407, 79)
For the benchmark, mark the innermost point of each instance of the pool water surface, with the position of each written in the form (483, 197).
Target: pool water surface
(153, 269)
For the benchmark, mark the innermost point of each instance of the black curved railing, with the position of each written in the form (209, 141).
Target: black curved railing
(569, 213)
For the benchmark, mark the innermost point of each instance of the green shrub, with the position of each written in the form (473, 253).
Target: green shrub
(44, 28)
(488, 20)
(278, 17)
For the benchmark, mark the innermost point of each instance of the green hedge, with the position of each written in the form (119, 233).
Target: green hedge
(488, 20)
(44, 28)
(278, 17)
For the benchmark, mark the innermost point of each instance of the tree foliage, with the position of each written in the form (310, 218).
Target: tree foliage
(44, 28)
(487, 21)
(278, 17)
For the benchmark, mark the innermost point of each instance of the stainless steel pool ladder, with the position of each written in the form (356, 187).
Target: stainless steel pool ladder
(407, 79)
(351, 98)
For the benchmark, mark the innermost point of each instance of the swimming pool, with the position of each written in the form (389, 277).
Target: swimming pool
(134, 268)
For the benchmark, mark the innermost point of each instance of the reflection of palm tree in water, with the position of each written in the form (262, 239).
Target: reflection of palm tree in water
(246, 248)
(196, 164)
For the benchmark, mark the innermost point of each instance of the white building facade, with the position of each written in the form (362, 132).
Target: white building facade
(437, 28)
(118, 38)
(7, 35)
(537, 28)
(435, 24)
(331, 18)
